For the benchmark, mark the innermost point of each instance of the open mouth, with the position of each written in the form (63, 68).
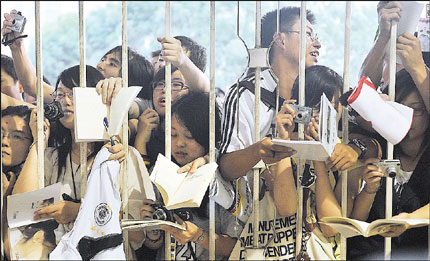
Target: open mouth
(68, 112)
(315, 53)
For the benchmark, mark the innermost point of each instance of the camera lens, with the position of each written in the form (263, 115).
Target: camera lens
(159, 214)
(299, 115)
(391, 171)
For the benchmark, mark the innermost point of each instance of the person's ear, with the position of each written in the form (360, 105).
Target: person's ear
(279, 40)
(20, 88)
(38, 237)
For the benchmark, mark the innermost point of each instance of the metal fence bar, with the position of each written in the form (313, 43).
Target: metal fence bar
(302, 61)
(212, 126)
(256, 202)
(39, 98)
(168, 250)
(124, 167)
(345, 139)
(83, 84)
(390, 147)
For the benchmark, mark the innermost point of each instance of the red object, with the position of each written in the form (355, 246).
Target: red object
(354, 95)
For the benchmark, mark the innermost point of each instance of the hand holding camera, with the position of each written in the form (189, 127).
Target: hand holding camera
(13, 26)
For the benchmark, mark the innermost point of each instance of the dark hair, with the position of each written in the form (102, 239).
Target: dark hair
(22, 111)
(287, 18)
(192, 110)
(8, 67)
(140, 70)
(60, 135)
(319, 79)
(155, 53)
(159, 76)
(197, 52)
(48, 228)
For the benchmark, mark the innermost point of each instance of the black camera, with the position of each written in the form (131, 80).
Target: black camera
(162, 213)
(302, 114)
(53, 111)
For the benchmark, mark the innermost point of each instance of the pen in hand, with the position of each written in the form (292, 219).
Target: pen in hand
(106, 124)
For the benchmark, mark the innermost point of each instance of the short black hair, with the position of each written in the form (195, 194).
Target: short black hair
(287, 18)
(197, 52)
(192, 110)
(140, 70)
(319, 79)
(22, 111)
(8, 67)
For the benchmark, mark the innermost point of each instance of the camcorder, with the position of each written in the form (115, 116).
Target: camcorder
(390, 168)
(53, 111)
(302, 114)
(18, 24)
(162, 213)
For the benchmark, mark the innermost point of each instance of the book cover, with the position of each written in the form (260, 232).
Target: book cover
(25, 204)
(90, 113)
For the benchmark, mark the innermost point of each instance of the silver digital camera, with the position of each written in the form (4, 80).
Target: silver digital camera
(302, 114)
(18, 22)
(390, 168)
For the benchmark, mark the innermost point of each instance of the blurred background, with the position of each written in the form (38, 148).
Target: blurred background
(60, 31)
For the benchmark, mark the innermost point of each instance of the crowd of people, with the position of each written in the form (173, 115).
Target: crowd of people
(237, 151)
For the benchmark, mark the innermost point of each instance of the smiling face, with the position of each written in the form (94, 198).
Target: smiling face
(110, 65)
(159, 96)
(16, 139)
(292, 44)
(184, 147)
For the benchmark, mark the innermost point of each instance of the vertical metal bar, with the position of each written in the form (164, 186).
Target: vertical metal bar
(169, 247)
(124, 169)
(212, 126)
(390, 147)
(302, 61)
(256, 202)
(345, 121)
(39, 98)
(83, 84)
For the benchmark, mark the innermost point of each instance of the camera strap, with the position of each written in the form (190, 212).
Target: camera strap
(7, 42)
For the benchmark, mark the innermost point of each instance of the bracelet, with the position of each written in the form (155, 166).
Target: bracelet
(200, 238)
(365, 190)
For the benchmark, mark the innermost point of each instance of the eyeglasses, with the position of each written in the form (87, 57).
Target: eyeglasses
(15, 136)
(312, 35)
(60, 96)
(176, 86)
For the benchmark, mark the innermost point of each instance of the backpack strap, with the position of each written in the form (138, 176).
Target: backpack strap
(267, 97)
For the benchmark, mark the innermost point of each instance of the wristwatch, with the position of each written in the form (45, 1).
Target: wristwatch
(200, 238)
(360, 145)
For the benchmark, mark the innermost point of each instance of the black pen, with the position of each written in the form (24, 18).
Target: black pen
(106, 124)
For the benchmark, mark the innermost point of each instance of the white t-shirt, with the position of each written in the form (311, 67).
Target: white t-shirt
(233, 140)
(137, 174)
(276, 236)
